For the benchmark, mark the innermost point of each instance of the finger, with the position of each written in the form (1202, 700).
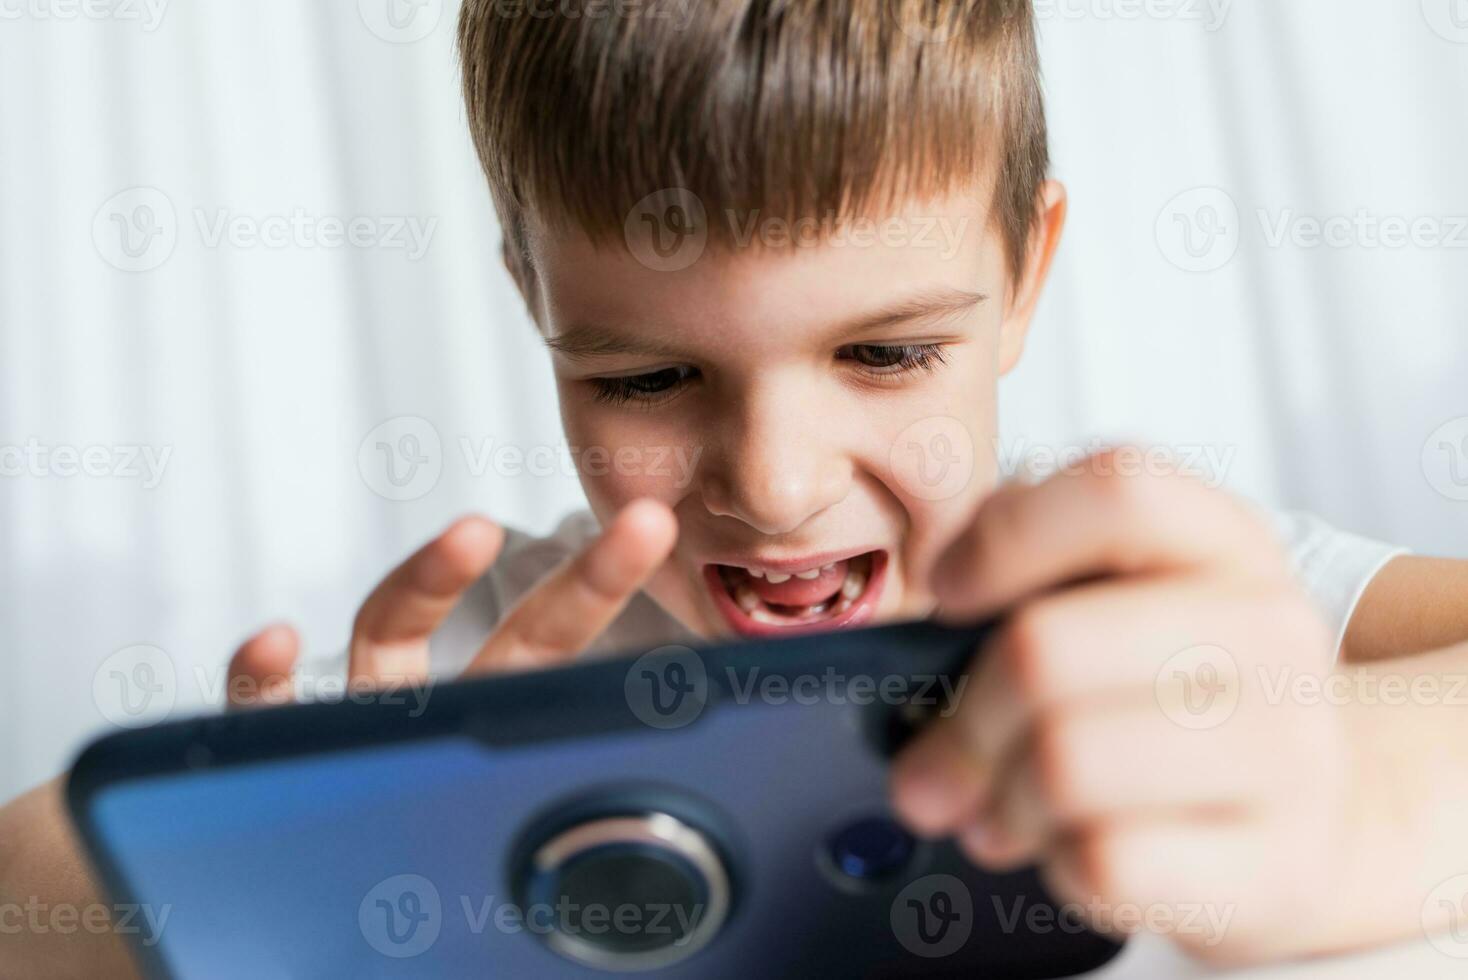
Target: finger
(581, 598)
(1120, 642)
(1082, 767)
(1090, 521)
(984, 843)
(391, 633)
(1114, 872)
(260, 670)
(935, 782)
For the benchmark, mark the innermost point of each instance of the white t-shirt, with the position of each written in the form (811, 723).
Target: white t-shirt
(1333, 566)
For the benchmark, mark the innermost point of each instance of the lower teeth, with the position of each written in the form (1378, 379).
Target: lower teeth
(757, 610)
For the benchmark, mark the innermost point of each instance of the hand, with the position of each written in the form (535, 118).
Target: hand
(551, 624)
(1071, 747)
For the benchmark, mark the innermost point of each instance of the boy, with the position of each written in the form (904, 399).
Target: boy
(719, 219)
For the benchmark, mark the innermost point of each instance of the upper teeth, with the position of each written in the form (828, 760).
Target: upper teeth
(777, 577)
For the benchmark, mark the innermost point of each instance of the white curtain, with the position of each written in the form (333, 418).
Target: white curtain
(302, 250)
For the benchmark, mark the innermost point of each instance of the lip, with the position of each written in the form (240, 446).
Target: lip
(862, 610)
(798, 563)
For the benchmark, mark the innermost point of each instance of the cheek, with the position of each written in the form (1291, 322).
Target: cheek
(624, 455)
(936, 454)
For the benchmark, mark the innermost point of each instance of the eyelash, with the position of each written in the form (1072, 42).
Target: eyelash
(906, 358)
(899, 360)
(621, 391)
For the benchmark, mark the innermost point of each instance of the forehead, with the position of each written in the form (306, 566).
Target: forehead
(790, 274)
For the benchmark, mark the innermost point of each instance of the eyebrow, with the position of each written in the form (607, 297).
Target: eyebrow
(584, 341)
(934, 305)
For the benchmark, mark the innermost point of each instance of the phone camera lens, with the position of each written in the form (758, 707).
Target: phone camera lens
(627, 893)
(871, 848)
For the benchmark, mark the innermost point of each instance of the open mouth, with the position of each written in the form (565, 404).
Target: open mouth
(763, 602)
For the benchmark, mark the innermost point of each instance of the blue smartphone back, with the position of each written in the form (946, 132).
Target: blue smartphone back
(381, 840)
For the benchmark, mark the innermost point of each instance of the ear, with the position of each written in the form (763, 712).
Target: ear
(1051, 207)
(517, 264)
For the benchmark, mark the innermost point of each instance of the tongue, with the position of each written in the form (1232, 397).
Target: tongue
(800, 591)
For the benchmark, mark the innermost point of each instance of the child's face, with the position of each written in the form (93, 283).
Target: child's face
(838, 400)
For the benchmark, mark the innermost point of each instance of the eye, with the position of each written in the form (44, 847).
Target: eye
(896, 358)
(648, 388)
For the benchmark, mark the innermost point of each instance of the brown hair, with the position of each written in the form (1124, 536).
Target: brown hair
(579, 109)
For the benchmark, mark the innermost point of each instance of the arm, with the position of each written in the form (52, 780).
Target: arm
(1414, 605)
(42, 872)
(1404, 876)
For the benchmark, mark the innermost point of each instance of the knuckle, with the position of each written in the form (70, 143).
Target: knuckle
(1026, 642)
(1123, 489)
(1290, 629)
(596, 578)
(1057, 744)
(1252, 535)
(1096, 864)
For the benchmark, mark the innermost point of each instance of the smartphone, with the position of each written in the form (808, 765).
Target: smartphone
(713, 813)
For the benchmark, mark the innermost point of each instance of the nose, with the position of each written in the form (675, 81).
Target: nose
(776, 466)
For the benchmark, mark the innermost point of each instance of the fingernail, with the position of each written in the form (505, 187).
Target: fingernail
(984, 841)
(277, 634)
(927, 796)
(652, 515)
(981, 836)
